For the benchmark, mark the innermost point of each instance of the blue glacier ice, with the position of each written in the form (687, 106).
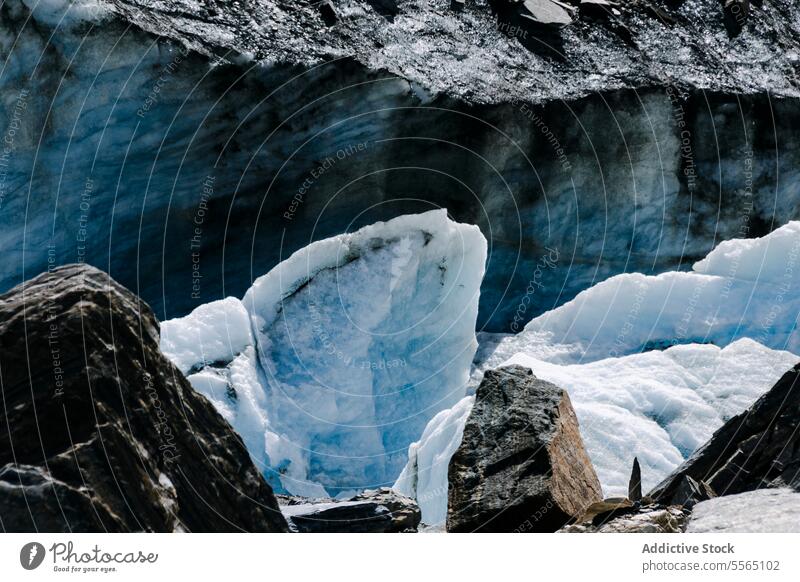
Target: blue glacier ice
(335, 360)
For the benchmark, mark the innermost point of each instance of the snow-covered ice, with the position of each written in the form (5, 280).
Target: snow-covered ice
(334, 361)
(425, 475)
(214, 332)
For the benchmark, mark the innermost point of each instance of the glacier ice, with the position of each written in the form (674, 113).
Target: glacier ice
(743, 288)
(729, 332)
(335, 360)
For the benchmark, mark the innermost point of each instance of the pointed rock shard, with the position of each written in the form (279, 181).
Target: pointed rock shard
(521, 465)
(635, 484)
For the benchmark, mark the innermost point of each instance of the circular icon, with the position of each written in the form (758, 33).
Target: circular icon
(31, 555)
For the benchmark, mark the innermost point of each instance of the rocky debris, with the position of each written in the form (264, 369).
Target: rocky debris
(643, 519)
(372, 511)
(601, 511)
(635, 483)
(100, 432)
(675, 34)
(521, 465)
(761, 511)
(755, 449)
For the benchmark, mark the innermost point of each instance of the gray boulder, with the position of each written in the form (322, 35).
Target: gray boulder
(521, 465)
(644, 519)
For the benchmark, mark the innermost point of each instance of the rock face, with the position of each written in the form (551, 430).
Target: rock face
(762, 511)
(100, 432)
(679, 92)
(521, 465)
(375, 511)
(755, 449)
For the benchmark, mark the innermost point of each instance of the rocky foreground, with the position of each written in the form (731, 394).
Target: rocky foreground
(100, 432)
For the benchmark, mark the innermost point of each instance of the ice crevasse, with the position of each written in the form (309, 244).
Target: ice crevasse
(653, 364)
(335, 360)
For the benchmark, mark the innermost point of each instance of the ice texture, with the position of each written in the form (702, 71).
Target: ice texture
(743, 288)
(335, 360)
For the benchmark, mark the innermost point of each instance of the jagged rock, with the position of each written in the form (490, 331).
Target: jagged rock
(757, 448)
(644, 519)
(689, 492)
(635, 483)
(100, 431)
(762, 511)
(378, 511)
(521, 465)
(546, 13)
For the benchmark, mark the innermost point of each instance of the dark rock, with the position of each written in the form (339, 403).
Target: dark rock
(100, 432)
(689, 492)
(521, 465)
(635, 483)
(328, 13)
(457, 4)
(758, 448)
(379, 511)
(598, 9)
(736, 13)
(386, 8)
